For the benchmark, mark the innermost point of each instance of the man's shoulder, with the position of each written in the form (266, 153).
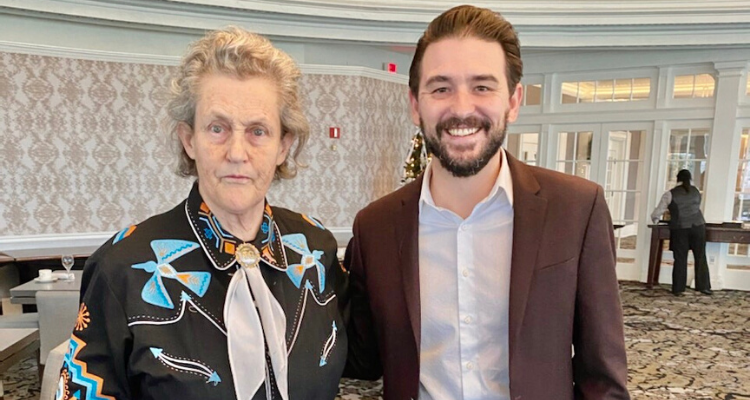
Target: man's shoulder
(554, 183)
(392, 203)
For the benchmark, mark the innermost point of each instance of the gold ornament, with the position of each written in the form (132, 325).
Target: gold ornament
(247, 255)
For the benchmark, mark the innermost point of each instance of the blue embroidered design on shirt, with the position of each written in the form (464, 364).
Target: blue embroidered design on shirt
(79, 373)
(298, 243)
(167, 251)
(185, 365)
(123, 234)
(328, 346)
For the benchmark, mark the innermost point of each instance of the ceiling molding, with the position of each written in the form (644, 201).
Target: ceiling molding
(87, 54)
(111, 56)
(541, 24)
(350, 70)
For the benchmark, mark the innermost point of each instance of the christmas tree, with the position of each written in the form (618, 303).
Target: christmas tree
(417, 158)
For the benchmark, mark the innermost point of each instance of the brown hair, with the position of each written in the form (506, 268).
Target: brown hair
(242, 54)
(469, 21)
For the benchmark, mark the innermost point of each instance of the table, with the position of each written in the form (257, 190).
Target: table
(4, 258)
(52, 253)
(26, 292)
(717, 233)
(16, 345)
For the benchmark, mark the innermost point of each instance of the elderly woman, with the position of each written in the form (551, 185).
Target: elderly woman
(225, 295)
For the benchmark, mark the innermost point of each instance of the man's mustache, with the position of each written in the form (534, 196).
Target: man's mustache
(468, 122)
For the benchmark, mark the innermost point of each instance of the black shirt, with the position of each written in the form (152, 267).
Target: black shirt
(151, 324)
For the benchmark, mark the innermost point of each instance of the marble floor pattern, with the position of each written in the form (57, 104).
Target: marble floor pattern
(693, 347)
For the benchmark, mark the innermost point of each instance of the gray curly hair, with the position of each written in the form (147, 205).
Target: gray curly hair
(239, 53)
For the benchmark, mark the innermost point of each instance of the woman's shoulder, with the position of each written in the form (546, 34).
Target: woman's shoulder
(292, 222)
(135, 243)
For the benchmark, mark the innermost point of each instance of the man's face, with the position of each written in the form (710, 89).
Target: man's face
(463, 104)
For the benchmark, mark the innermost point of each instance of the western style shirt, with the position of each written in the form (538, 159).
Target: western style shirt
(151, 322)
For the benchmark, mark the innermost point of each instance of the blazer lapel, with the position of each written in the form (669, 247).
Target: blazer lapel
(407, 234)
(528, 222)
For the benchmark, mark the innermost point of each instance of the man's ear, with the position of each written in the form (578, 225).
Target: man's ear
(185, 132)
(414, 109)
(515, 101)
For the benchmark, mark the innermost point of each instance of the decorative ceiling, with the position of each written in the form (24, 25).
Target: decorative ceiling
(542, 24)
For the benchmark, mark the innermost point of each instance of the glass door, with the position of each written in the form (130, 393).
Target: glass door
(612, 156)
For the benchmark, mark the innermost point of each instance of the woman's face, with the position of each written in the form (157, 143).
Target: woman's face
(235, 141)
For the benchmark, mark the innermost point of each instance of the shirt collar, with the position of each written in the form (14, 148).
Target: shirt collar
(503, 181)
(220, 245)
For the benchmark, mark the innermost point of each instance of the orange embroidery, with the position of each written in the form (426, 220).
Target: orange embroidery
(82, 322)
(64, 384)
(80, 373)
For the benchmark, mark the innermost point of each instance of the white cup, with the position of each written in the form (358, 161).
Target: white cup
(45, 274)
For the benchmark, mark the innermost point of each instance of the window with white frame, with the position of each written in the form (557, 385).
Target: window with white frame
(742, 188)
(574, 153)
(606, 90)
(741, 211)
(532, 94)
(523, 146)
(622, 187)
(693, 86)
(688, 149)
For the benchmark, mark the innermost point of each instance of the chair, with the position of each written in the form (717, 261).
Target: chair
(58, 311)
(8, 279)
(51, 376)
(28, 320)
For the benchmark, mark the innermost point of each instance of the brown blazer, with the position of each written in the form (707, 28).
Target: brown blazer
(563, 291)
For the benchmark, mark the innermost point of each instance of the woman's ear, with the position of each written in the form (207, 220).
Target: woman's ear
(286, 144)
(185, 132)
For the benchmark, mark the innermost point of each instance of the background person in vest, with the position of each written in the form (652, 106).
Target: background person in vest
(687, 231)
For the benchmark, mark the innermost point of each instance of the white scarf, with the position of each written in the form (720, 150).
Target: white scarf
(247, 355)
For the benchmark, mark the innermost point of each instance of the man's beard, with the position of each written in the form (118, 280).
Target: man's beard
(462, 168)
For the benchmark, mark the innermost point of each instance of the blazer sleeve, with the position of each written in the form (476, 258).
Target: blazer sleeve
(363, 360)
(599, 364)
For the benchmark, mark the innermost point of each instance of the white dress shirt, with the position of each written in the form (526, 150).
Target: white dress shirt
(666, 198)
(464, 283)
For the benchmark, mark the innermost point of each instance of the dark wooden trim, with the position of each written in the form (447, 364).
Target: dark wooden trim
(717, 233)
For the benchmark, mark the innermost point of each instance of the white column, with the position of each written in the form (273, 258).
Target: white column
(662, 86)
(551, 93)
(542, 155)
(655, 171)
(725, 140)
(723, 155)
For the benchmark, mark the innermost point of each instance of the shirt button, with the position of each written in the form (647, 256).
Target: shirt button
(467, 319)
(469, 366)
(462, 228)
(465, 273)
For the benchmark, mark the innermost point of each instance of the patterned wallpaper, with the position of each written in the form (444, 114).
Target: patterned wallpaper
(83, 146)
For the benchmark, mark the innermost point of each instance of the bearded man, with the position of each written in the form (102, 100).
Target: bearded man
(485, 278)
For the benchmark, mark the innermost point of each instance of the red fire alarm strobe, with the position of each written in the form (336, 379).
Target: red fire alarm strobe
(334, 132)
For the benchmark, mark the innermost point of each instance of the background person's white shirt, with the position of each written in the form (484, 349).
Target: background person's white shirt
(464, 283)
(666, 198)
